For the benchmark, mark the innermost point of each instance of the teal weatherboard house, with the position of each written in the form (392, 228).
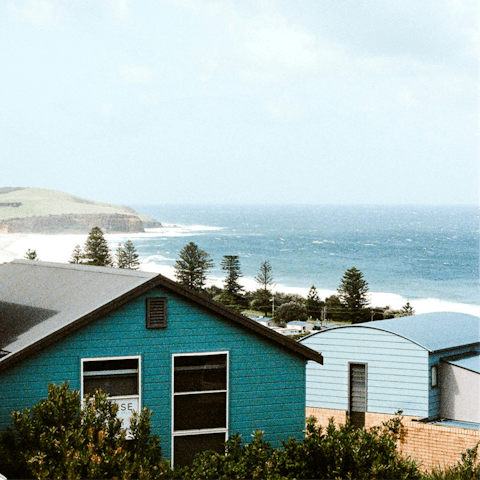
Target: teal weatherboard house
(205, 371)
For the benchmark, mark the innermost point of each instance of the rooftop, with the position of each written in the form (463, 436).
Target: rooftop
(41, 302)
(41, 297)
(433, 331)
(468, 361)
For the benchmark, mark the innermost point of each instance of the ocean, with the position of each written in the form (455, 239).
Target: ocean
(406, 253)
(427, 255)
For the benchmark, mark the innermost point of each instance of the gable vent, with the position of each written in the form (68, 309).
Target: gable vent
(156, 313)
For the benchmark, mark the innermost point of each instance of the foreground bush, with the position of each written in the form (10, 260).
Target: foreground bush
(343, 453)
(57, 439)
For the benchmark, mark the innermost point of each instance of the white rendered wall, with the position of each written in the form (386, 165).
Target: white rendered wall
(459, 393)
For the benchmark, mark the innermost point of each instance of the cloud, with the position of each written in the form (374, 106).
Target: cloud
(136, 75)
(275, 49)
(41, 13)
(121, 8)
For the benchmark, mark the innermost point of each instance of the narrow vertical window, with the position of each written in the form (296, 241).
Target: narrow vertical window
(434, 376)
(200, 405)
(119, 378)
(156, 313)
(358, 394)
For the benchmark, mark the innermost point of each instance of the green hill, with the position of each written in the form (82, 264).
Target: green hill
(38, 210)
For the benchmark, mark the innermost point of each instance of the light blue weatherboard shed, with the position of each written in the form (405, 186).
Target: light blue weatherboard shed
(389, 365)
(205, 371)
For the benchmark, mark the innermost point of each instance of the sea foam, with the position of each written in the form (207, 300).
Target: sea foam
(59, 247)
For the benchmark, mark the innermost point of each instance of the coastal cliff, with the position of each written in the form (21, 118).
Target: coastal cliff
(35, 210)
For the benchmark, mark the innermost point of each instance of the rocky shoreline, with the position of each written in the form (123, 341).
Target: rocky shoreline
(77, 223)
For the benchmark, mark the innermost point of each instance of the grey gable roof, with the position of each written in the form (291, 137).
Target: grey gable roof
(432, 331)
(41, 302)
(38, 298)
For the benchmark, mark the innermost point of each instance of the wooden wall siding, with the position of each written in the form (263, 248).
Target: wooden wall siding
(267, 385)
(397, 371)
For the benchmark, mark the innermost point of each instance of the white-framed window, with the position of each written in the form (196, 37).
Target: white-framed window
(199, 404)
(434, 376)
(119, 378)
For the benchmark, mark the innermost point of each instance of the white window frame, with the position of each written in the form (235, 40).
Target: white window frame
(116, 399)
(206, 431)
(434, 376)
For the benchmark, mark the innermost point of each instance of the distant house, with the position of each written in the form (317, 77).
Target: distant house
(302, 326)
(205, 371)
(426, 365)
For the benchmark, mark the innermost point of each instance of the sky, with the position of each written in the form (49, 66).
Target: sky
(242, 101)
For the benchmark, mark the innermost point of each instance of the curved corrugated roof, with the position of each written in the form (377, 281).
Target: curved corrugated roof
(432, 331)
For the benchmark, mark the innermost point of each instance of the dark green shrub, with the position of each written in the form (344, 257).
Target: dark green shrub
(58, 439)
(61, 439)
(343, 453)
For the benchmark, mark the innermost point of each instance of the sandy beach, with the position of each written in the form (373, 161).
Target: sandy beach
(58, 248)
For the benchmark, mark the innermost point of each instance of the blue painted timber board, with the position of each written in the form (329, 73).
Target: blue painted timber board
(266, 383)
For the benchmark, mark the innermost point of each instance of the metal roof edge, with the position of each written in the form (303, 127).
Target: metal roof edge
(373, 328)
(86, 268)
(76, 324)
(150, 283)
(452, 359)
(219, 309)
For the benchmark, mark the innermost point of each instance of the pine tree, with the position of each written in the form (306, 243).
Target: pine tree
(313, 304)
(265, 277)
(262, 297)
(407, 310)
(126, 256)
(192, 266)
(353, 294)
(31, 255)
(231, 264)
(77, 255)
(96, 249)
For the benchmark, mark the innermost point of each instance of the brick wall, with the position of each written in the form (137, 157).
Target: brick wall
(430, 445)
(437, 445)
(323, 415)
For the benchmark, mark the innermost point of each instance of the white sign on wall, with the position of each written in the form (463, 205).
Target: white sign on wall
(126, 407)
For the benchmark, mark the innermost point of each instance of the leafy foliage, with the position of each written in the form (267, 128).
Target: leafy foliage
(31, 255)
(192, 266)
(289, 312)
(61, 439)
(262, 300)
(343, 453)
